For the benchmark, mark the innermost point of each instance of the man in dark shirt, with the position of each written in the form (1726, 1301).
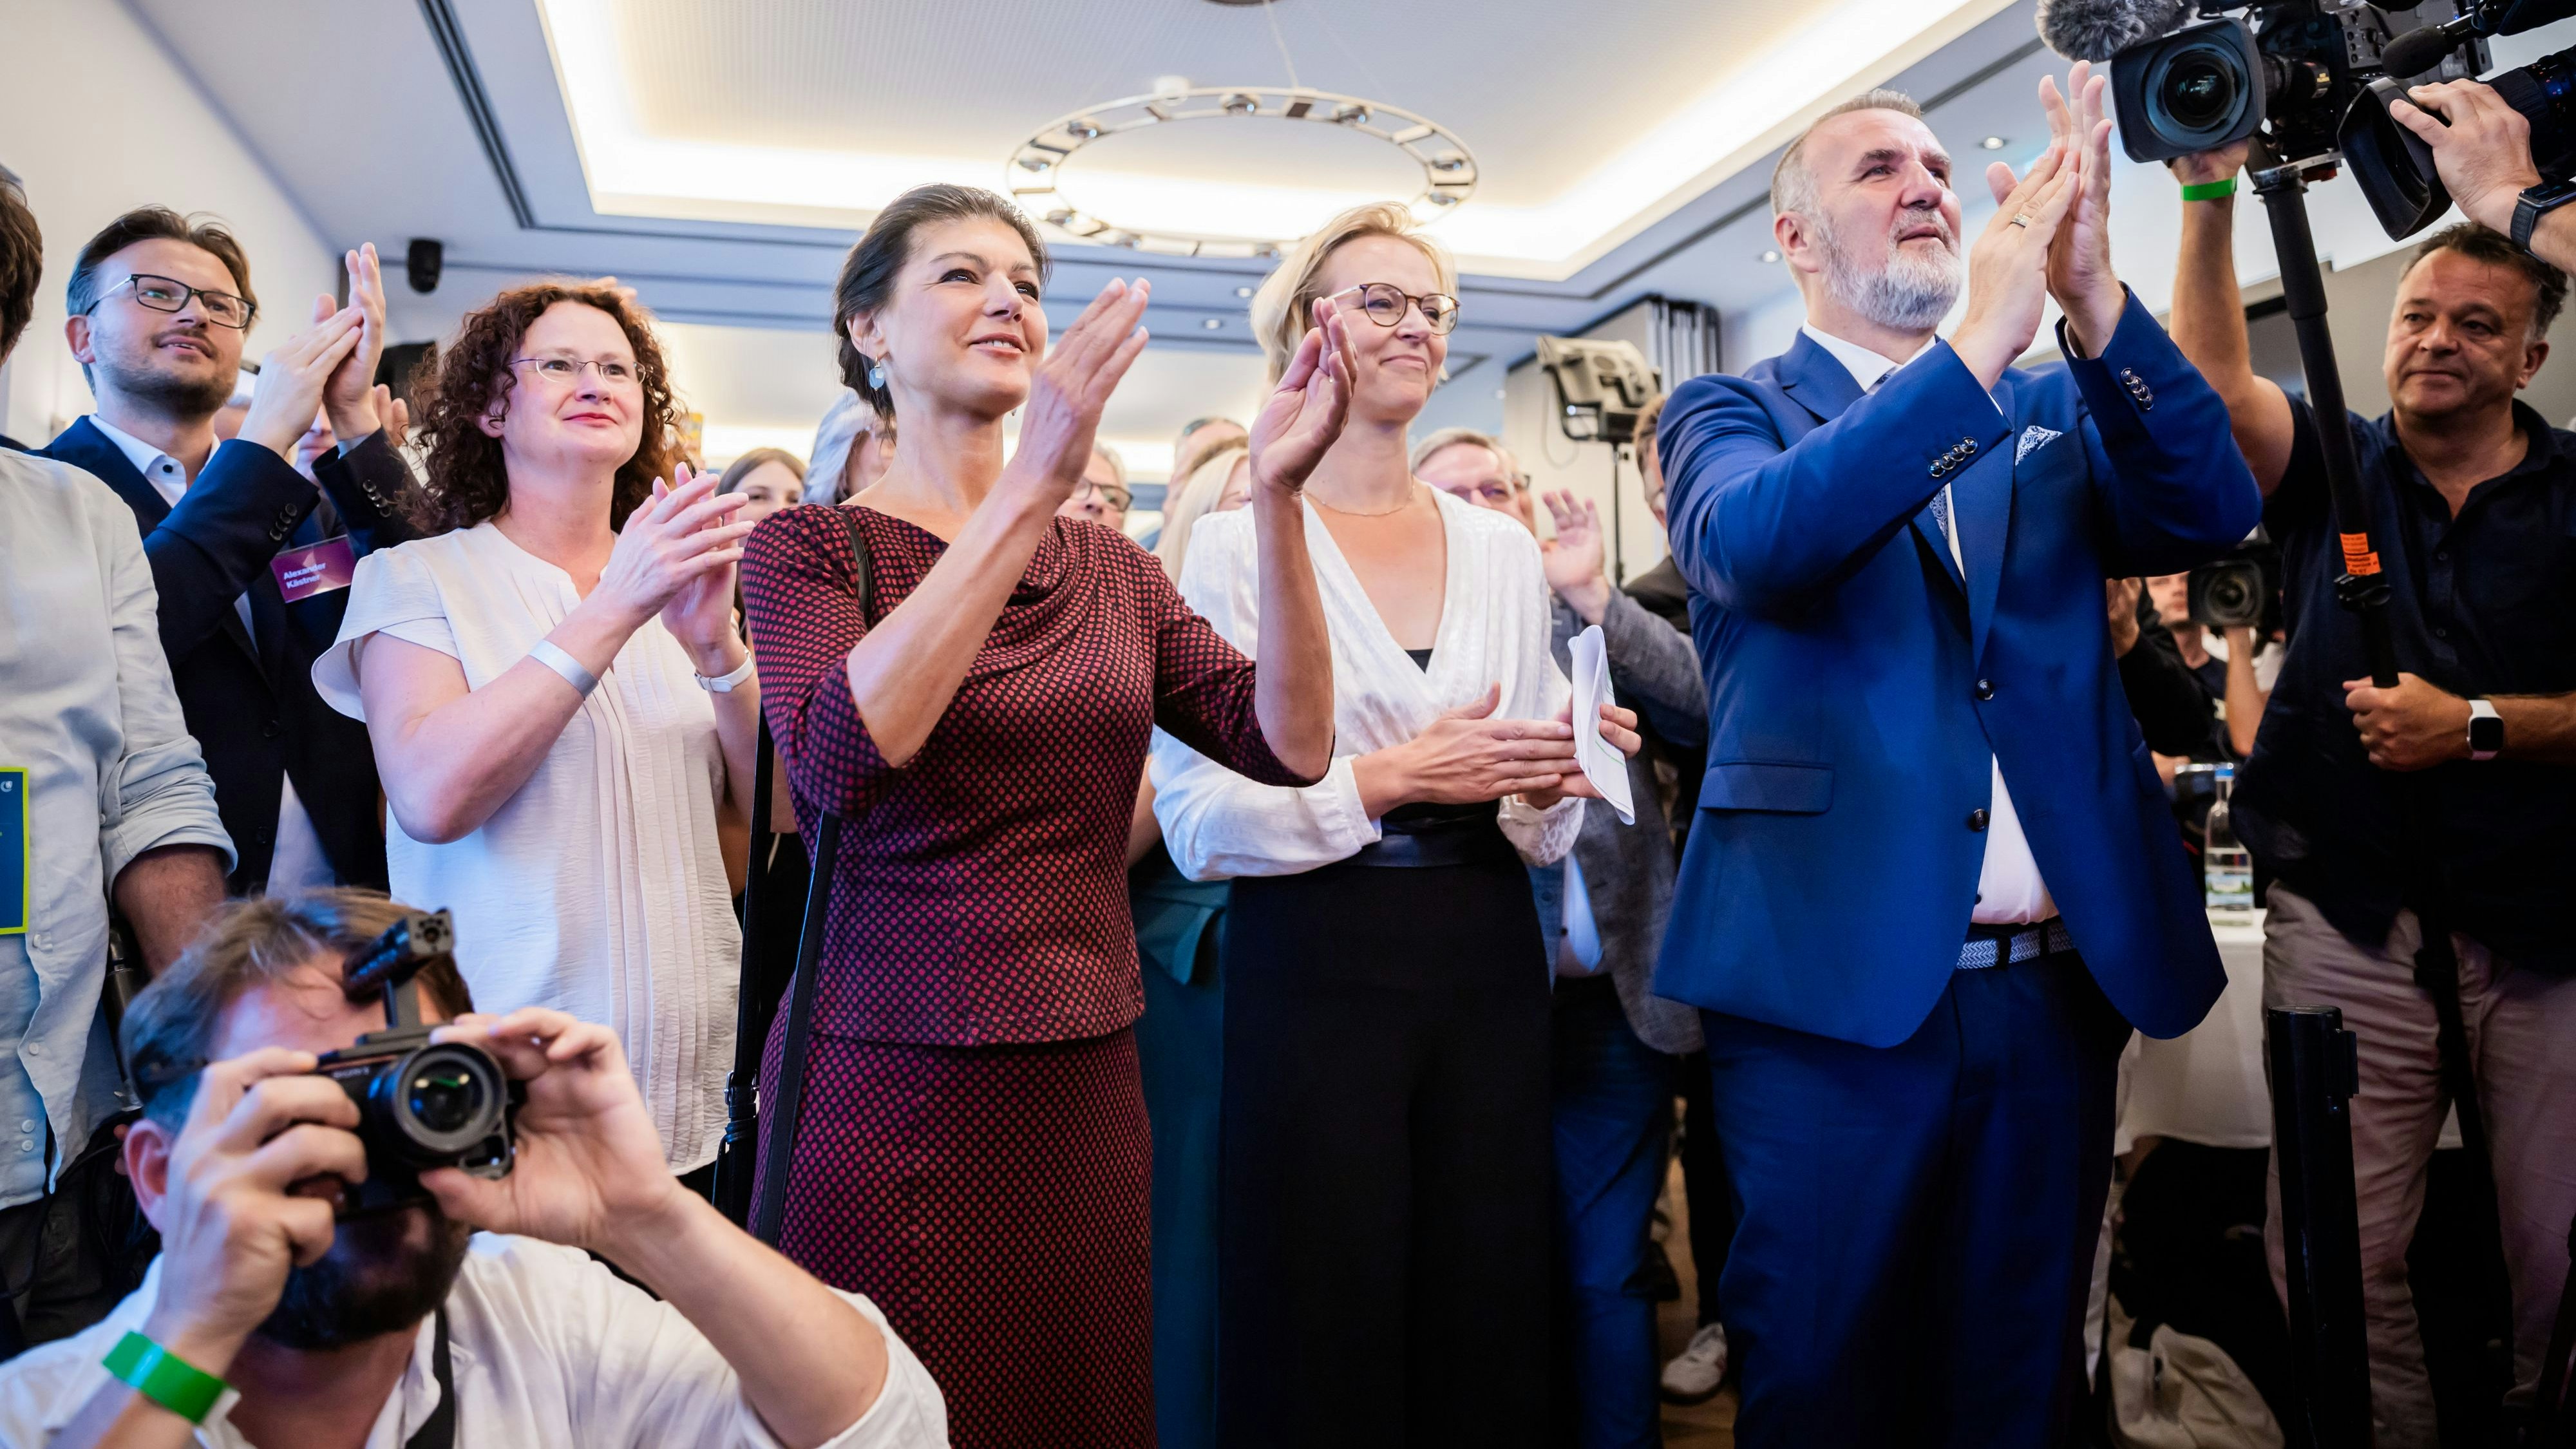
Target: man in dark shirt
(2473, 502)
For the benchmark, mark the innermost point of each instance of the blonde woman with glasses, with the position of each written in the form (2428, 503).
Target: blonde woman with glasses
(1385, 1152)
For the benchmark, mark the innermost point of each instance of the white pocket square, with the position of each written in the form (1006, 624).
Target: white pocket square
(2033, 438)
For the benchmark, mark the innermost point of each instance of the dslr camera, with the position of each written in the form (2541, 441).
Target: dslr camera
(2243, 588)
(421, 1104)
(2316, 77)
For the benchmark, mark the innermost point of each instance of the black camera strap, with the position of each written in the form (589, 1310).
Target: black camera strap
(438, 1431)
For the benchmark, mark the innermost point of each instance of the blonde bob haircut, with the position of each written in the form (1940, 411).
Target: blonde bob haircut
(1283, 309)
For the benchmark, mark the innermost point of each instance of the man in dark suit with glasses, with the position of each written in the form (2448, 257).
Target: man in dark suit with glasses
(252, 561)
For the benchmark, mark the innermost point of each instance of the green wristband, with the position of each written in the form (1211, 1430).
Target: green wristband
(2209, 190)
(165, 1378)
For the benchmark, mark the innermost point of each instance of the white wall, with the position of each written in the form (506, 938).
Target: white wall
(96, 119)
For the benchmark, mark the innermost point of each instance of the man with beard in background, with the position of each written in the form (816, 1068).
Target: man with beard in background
(1914, 993)
(265, 1322)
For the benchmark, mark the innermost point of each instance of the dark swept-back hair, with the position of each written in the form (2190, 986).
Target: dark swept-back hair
(465, 379)
(170, 1028)
(868, 272)
(153, 223)
(2479, 244)
(22, 262)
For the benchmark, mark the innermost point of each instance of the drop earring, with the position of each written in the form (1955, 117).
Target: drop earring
(876, 376)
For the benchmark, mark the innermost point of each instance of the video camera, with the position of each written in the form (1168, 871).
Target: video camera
(2314, 77)
(2242, 589)
(421, 1104)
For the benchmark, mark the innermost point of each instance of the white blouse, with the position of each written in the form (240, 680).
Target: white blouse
(599, 888)
(1494, 625)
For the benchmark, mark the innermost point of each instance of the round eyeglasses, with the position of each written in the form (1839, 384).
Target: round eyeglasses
(166, 294)
(1385, 304)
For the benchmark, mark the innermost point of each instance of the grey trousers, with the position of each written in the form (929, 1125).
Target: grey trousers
(2522, 1046)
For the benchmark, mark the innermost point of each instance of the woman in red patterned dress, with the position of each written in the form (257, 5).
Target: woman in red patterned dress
(973, 1152)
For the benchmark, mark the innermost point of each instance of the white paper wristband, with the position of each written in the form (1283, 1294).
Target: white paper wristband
(545, 652)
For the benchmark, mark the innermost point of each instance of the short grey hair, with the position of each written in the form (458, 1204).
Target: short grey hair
(1793, 185)
(1117, 464)
(1452, 437)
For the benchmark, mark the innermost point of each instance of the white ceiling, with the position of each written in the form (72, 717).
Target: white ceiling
(388, 119)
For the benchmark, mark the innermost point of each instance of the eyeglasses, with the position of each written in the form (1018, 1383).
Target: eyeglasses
(566, 371)
(1110, 493)
(165, 294)
(1385, 304)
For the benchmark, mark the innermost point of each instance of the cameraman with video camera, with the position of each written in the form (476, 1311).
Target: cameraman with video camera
(2472, 498)
(290, 1307)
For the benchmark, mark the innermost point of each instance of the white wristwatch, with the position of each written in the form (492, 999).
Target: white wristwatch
(725, 682)
(2486, 730)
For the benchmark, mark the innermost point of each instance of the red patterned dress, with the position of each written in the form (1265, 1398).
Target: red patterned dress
(973, 1153)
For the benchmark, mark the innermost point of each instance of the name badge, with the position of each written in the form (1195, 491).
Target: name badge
(304, 572)
(15, 886)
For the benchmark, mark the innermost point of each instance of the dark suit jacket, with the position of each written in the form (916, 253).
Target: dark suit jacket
(254, 711)
(1628, 869)
(1860, 681)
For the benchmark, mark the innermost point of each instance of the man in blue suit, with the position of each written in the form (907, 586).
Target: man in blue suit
(1933, 882)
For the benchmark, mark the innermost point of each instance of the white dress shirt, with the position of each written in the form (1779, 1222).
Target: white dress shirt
(544, 1347)
(1494, 626)
(2009, 888)
(598, 888)
(87, 709)
(297, 860)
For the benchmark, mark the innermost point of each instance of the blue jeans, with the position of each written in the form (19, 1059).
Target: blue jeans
(1613, 1115)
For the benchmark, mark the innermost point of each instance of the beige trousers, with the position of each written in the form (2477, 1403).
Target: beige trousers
(2522, 1046)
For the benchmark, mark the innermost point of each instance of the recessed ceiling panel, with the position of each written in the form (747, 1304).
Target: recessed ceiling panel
(1587, 123)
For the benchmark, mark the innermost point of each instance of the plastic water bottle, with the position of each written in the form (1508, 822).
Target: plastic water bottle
(2227, 866)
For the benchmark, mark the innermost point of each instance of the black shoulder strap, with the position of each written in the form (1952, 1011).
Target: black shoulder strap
(438, 1431)
(782, 1118)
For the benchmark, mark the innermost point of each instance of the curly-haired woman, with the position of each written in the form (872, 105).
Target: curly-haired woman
(560, 703)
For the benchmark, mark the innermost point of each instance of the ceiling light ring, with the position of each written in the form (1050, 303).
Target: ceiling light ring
(1449, 171)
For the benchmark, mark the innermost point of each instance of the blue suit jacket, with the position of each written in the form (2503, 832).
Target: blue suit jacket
(1858, 683)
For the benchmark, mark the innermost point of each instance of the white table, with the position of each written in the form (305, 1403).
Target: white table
(2206, 1085)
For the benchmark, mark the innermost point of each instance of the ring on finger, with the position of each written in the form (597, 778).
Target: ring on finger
(2021, 219)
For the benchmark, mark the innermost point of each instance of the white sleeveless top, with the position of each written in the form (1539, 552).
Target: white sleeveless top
(599, 888)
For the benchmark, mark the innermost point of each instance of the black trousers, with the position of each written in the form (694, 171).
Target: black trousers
(1386, 1160)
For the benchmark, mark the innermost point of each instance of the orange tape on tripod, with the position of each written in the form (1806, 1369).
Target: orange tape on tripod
(2359, 558)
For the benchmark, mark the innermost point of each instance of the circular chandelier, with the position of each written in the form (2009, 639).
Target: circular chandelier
(1036, 167)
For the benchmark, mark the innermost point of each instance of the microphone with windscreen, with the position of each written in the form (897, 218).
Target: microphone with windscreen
(2097, 30)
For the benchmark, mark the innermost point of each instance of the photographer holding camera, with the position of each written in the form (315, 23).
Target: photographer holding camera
(2472, 497)
(278, 1315)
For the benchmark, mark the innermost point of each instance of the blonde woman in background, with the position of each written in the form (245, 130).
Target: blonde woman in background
(1385, 1153)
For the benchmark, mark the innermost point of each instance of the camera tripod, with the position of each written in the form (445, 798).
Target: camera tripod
(2330, 1364)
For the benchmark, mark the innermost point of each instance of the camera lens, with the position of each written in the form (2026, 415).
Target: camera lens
(444, 1098)
(2198, 91)
(2228, 595)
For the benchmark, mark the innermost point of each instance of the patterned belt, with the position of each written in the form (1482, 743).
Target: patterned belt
(2011, 945)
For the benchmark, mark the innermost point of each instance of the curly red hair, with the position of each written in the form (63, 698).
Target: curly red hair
(463, 381)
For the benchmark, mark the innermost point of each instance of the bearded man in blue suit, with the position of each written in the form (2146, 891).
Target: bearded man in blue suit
(1933, 883)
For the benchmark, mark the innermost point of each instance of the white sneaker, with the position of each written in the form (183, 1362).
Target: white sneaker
(1695, 1373)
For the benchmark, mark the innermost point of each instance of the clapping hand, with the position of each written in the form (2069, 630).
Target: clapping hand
(2008, 268)
(2079, 258)
(589, 1171)
(1297, 426)
(293, 376)
(1071, 386)
(675, 557)
(349, 395)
